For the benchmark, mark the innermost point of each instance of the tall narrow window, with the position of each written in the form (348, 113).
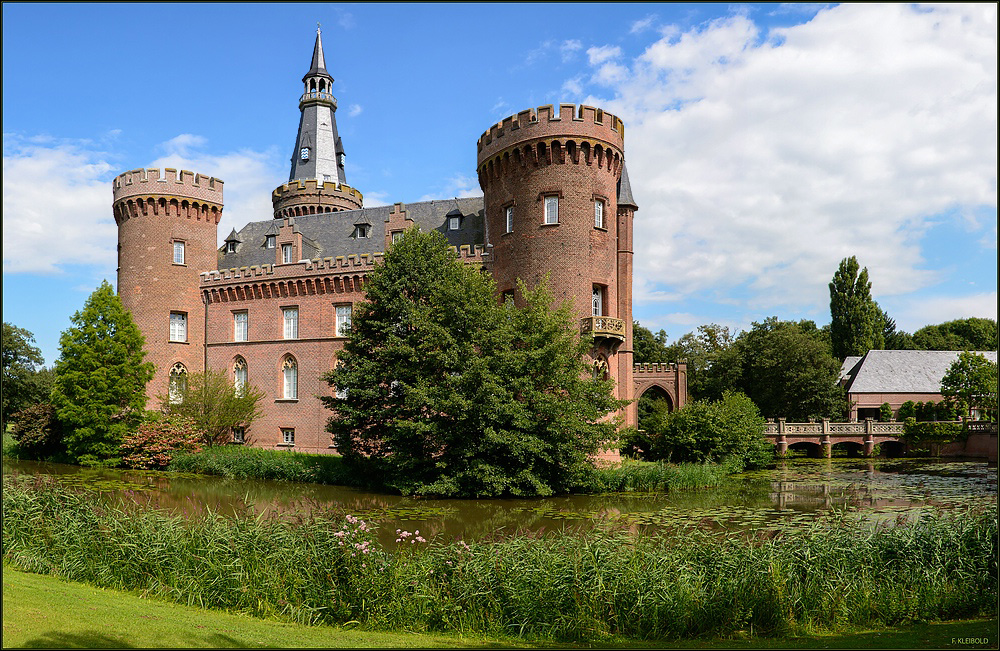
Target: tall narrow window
(241, 326)
(598, 214)
(177, 383)
(551, 210)
(178, 252)
(240, 375)
(343, 320)
(178, 326)
(598, 304)
(290, 377)
(286, 253)
(291, 317)
(510, 219)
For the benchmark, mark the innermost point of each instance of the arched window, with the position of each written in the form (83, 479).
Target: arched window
(240, 375)
(290, 376)
(177, 384)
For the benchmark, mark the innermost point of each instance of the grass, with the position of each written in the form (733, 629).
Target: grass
(46, 612)
(325, 567)
(246, 462)
(649, 476)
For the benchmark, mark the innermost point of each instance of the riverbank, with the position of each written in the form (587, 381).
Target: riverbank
(328, 567)
(46, 612)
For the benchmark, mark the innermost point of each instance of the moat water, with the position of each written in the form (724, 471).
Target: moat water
(797, 493)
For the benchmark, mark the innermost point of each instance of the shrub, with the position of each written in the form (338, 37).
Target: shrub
(916, 433)
(38, 432)
(885, 413)
(158, 440)
(907, 410)
(713, 431)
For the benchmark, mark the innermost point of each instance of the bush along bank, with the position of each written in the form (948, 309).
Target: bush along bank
(328, 568)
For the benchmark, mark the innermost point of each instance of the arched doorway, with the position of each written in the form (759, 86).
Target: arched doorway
(652, 404)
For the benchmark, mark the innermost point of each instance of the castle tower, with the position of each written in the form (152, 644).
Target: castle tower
(550, 183)
(317, 182)
(167, 230)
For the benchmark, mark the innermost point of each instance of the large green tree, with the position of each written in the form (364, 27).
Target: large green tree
(21, 386)
(961, 334)
(101, 378)
(446, 391)
(785, 367)
(856, 325)
(971, 381)
(649, 348)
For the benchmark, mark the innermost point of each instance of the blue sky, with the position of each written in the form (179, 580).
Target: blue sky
(764, 142)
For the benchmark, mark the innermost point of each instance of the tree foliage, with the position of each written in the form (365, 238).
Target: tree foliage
(961, 334)
(37, 431)
(649, 348)
(215, 405)
(856, 324)
(786, 368)
(99, 392)
(971, 381)
(20, 376)
(730, 428)
(449, 392)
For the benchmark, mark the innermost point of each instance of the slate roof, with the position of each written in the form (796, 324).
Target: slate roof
(904, 371)
(625, 190)
(847, 368)
(330, 234)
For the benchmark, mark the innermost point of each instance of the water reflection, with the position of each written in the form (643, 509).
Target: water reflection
(796, 493)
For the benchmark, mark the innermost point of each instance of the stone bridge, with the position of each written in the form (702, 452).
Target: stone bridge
(822, 436)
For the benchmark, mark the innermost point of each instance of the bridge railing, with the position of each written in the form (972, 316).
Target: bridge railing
(827, 428)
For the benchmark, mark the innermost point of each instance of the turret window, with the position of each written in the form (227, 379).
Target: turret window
(178, 252)
(598, 214)
(509, 214)
(552, 210)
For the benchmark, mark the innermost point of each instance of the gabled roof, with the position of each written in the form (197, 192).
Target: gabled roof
(329, 234)
(905, 371)
(847, 368)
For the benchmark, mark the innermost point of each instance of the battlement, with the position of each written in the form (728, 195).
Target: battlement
(183, 185)
(638, 369)
(583, 122)
(315, 185)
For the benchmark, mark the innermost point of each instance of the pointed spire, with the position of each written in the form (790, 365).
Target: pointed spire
(318, 67)
(625, 190)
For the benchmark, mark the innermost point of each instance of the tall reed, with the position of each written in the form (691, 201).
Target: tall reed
(327, 567)
(246, 462)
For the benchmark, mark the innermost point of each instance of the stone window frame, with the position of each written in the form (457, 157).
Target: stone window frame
(600, 199)
(236, 325)
(175, 335)
(337, 332)
(182, 249)
(286, 312)
(544, 196)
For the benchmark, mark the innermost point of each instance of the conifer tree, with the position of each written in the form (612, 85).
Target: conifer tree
(856, 325)
(446, 391)
(100, 385)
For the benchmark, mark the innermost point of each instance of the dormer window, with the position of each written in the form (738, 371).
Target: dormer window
(454, 223)
(304, 153)
(230, 247)
(340, 159)
(361, 231)
(269, 242)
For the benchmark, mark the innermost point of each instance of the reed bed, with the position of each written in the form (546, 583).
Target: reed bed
(328, 568)
(649, 476)
(246, 462)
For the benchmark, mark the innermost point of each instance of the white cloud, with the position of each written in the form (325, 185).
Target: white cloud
(56, 205)
(573, 86)
(568, 49)
(914, 314)
(459, 185)
(642, 25)
(598, 55)
(759, 161)
(354, 110)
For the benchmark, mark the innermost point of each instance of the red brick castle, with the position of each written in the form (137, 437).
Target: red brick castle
(271, 305)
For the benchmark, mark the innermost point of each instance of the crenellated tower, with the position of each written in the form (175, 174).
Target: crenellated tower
(317, 182)
(551, 191)
(167, 231)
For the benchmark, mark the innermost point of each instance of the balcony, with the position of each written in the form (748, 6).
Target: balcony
(603, 327)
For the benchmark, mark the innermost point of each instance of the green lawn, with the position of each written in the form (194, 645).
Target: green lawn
(45, 612)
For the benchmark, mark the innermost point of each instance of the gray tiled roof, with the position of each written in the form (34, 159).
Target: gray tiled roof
(905, 371)
(625, 190)
(847, 368)
(329, 234)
